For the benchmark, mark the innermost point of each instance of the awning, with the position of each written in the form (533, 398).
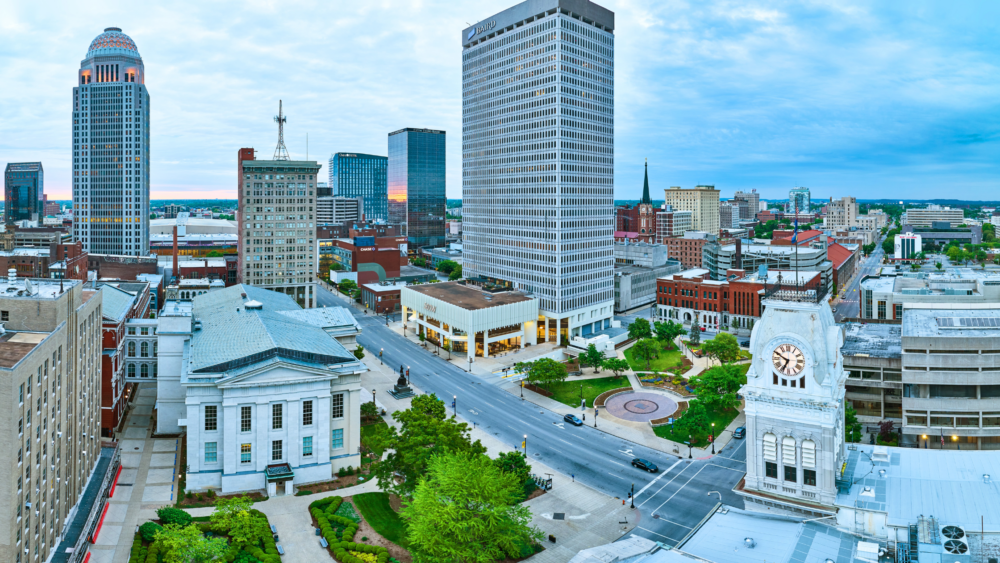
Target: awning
(279, 472)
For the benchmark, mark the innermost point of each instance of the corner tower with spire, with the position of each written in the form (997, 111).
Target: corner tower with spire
(647, 214)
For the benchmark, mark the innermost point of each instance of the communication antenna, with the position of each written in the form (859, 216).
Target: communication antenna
(280, 152)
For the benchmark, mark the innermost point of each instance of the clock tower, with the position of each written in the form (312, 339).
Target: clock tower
(794, 409)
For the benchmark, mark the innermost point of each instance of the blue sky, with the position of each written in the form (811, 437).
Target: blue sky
(898, 100)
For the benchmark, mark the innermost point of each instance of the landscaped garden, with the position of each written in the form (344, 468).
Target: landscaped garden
(669, 357)
(700, 436)
(569, 392)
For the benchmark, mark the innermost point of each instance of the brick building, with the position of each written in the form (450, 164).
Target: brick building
(688, 248)
(374, 258)
(721, 304)
(845, 262)
(641, 218)
(121, 301)
(382, 297)
(121, 267)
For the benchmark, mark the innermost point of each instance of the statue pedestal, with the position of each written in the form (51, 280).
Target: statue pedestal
(401, 390)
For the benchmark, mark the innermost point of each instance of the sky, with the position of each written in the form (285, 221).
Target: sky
(896, 100)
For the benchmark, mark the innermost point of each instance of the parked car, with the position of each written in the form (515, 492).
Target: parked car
(645, 464)
(572, 419)
(702, 328)
(740, 432)
(745, 343)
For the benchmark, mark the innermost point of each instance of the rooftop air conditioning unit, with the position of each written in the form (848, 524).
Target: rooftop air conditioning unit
(955, 542)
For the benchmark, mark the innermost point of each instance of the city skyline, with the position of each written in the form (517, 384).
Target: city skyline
(842, 100)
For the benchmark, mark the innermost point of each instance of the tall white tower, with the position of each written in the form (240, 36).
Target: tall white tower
(111, 148)
(538, 159)
(794, 410)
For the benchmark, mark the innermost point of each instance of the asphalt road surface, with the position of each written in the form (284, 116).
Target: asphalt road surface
(850, 304)
(671, 502)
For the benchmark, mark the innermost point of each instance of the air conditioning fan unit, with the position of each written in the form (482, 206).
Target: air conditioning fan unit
(954, 540)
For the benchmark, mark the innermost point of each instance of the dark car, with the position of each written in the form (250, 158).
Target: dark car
(740, 432)
(645, 464)
(745, 343)
(572, 419)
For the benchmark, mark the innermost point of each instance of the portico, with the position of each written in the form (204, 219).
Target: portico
(470, 320)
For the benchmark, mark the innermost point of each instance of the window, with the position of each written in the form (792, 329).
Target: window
(337, 438)
(276, 417)
(4, 315)
(276, 450)
(881, 309)
(307, 446)
(808, 453)
(899, 311)
(245, 453)
(144, 370)
(131, 349)
(211, 417)
(771, 469)
(788, 450)
(131, 370)
(245, 419)
(809, 477)
(791, 473)
(144, 350)
(211, 453)
(20, 394)
(337, 402)
(770, 447)
(307, 413)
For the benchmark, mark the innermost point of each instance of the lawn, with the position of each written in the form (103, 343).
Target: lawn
(667, 359)
(568, 392)
(721, 420)
(381, 517)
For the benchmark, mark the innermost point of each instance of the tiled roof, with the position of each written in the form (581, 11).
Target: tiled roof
(231, 334)
(115, 302)
(837, 254)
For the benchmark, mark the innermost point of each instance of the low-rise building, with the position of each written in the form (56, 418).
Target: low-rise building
(474, 321)
(121, 302)
(845, 259)
(720, 258)
(373, 258)
(884, 294)
(268, 397)
(906, 246)
(927, 216)
(688, 248)
(873, 359)
(338, 209)
(451, 252)
(939, 233)
(382, 297)
(672, 223)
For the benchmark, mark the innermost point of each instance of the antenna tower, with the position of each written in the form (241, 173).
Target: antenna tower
(280, 152)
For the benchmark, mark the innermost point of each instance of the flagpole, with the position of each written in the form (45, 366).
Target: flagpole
(795, 242)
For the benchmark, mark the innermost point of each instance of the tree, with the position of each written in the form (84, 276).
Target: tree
(214, 254)
(419, 262)
(185, 544)
(369, 411)
(447, 266)
(422, 339)
(695, 332)
(938, 265)
(914, 266)
(868, 248)
(639, 329)
(989, 232)
(545, 370)
(347, 286)
(336, 267)
(668, 331)
(851, 425)
(466, 509)
(423, 433)
(359, 352)
(954, 253)
(593, 357)
(886, 431)
(514, 463)
(456, 274)
(718, 387)
(617, 366)
(723, 347)
(694, 420)
(646, 349)
(236, 516)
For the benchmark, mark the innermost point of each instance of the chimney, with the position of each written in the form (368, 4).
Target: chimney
(176, 270)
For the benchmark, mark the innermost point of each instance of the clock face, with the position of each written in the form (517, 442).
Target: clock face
(788, 360)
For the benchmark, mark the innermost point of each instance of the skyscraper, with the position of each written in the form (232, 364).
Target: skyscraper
(361, 175)
(753, 203)
(24, 192)
(702, 202)
(537, 150)
(417, 185)
(111, 148)
(798, 198)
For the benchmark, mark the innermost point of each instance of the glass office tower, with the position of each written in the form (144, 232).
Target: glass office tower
(417, 185)
(361, 175)
(23, 194)
(538, 159)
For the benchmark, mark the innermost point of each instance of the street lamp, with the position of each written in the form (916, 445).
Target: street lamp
(373, 395)
(380, 350)
(631, 496)
(454, 404)
(524, 444)
(522, 389)
(597, 411)
(690, 445)
(713, 438)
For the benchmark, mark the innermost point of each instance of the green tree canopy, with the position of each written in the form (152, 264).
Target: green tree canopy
(514, 463)
(695, 331)
(544, 370)
(646, 349)
(717, 387)
(347, 286)
(456, 274)
(667, 331)
(424, 432)
(185, 544)
(467, 510)
(447, 266)
(617, 366)
(723, 347)
(694, 420)
(244, 525)
(640, 329)
(593, 357)
(419, 262)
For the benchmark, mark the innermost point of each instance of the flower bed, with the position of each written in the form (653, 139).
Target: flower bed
(339, 533)
(153, 551)
(599, 401)
(681, 407)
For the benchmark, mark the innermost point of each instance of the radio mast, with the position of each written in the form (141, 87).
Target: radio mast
(280, 152)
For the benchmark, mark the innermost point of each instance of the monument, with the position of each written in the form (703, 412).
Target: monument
(402, 389)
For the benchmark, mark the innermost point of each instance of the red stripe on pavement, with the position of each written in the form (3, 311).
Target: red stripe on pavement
(99, 524)
(115, 484)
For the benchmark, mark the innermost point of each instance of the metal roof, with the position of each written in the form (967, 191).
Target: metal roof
(946, 321)
(872, 340)
(115, 303)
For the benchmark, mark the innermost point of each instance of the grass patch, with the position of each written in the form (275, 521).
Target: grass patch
(568, 392)
(346, 510)
(700, 439)
(370, 430)
(381, 517)
(667, 359)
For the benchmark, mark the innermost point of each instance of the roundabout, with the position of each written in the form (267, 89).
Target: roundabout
(639, 406)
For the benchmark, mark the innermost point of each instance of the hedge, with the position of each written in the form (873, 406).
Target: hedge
(137, 555)
(324, 511)
(149, 530)
(169, 515)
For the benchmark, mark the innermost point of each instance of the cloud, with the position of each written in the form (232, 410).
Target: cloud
(847, 98)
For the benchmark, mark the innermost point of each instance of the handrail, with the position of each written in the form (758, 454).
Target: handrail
(80, 549)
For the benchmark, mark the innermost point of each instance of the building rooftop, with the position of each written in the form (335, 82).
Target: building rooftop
(384, 286)
(327, 318)
(950, 485)
(116, 302)
(688, 274)
(14, 346)
(468, 297)
(788, 277)
(872, 340)
(33, 288)
(975, 320)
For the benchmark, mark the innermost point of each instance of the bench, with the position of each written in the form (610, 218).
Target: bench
(323, 542)
(273, 529)
(281, 550)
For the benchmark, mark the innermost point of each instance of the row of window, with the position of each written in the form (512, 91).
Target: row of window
(277, 448)
(277, 414)
(789, 459)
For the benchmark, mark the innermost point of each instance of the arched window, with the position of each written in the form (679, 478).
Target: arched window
(770, 447)
(809, 454)
(131, 349)
(154, 371)
(788, 450)
(144, 371)
(131, 370)
(144, 350)
(156, 346)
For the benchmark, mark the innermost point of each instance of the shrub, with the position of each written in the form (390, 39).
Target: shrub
(136, 555)
(169, 515)
(148, 531)
(211, 493)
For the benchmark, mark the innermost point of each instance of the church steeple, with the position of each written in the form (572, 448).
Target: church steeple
(645, 187)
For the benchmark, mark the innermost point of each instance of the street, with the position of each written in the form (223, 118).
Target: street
(850, 305)
(671, 502)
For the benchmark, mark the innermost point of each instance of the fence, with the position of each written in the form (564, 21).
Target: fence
(97, 510)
